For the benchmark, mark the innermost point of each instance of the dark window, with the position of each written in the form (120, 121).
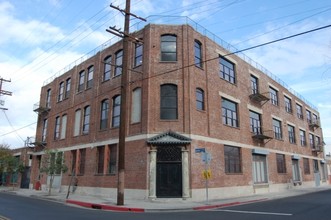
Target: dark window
(291, 134)
(168, 48)
(48, 98)
(303, 138)
(254, 84)
(281, 163)
(306, 166)
(197, 54)
(107, 68)
(227, 70)
(118, 63)
(315, 118)
(317, 141)
(104, 114)
(57, 128)
(112, 159)
(311, 141)
(68, 88)
(86, 122)
(61, 91)
(229, 113)
(288, 104)
(73, 162)
(200, 99)
(82, 153)
(168, 108)
(255, 122)
(89, 82)
(81, 81)
(277, 127)
(116, 111)
(44, 132)
(299, 111)
(138, 57)
(101, 159)
(232, 158)
(273, 96)
(308, 114)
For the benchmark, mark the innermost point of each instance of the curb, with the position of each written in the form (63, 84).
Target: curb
(201, 208)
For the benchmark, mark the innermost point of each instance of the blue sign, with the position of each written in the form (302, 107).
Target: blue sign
(200, 150)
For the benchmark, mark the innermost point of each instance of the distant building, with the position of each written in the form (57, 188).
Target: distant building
(187, 95)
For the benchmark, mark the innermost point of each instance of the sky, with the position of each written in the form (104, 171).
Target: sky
(41, 38)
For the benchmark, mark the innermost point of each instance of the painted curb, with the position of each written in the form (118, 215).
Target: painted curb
(201, 208)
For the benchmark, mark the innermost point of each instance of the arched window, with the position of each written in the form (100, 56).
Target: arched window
(136, 106)
(104, 114)
(198, 53)
(118, 63)
(89, 82)
(107, 68)
(168, 103)
(61, 91)
(81, 81)
(200, 98)
(57, 128)
(116, 111)
(48, 98)
(77, 122)
(168, 48)
(68, 88)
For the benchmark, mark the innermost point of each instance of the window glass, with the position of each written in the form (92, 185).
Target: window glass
(89, 82)
(136, 106)
(229, 113)
(116, 111)
(254, 85)
(232, 159)
(227, 70)
(291, 134)
(118, 63)
(168, 102)
(104, 114)
(281, 164)
(107, 68)
(138, 58)
(273, 96)
(81, 81)
(255, 122)
(200, 99)
(277, 127)
(197, 54)
(168, 48)
(61, 91)
(86, 122)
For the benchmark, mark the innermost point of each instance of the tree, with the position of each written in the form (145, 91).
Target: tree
(53, 164)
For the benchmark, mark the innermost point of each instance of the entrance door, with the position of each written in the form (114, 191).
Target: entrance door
(296, 170)
(169, 172)
(25, 182)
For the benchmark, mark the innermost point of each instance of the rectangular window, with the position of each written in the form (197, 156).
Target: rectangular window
(63, 127)
(273, 96)
(308, 114)
(118, 63)
(138, 56)
(311, 141)
(229, 113)
(44, 132)
(288, 104)
(303, 141)
(200, 99)
(81, 81)
(116, 111)
(73, 162)
(168, 102)
(255, 122)
(291, 134)
(136, 106)
(48, 98)
(112, 159)
(315, 119)
(68, 88)
(101, 159)
(277, 127)
(61, 91)
(57, 128)
(254, 85)
(82, 158)
(306, 166)
(89, 82)
(107, 68)
(168, 48)
(197, 54)
(86, 121)
(281, 163)
(227, 70)
(232, 159)
(104, 114)
(260, 174)
(299, 111)
(77, 122)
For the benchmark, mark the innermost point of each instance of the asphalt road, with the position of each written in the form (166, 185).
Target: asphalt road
(310, 206)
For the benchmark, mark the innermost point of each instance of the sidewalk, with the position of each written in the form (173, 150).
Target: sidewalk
(158, 205)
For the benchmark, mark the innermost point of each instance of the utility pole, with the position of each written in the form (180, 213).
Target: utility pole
(3, 92)
(124, 82)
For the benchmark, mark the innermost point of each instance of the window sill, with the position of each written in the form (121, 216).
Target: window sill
(229, 126)
(234, 174)
(163, 61)
(98, 174)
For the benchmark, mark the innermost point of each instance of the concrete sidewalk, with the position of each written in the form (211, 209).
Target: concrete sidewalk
(157, 205)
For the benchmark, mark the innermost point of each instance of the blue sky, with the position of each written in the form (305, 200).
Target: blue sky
(41, 37)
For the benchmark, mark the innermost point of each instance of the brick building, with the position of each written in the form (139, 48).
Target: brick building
(187, 94)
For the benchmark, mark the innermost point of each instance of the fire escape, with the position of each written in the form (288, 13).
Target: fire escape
(42, 111)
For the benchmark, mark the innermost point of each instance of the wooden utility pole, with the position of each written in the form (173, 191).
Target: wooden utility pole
(3, 92)
(123, 111)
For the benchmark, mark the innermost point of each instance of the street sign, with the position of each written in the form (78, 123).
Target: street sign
(206, 157)
(207, 174)
(200, 150)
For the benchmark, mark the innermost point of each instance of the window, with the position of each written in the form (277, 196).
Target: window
(104, 114)
(281, 164)
(89, 82)
(86, 121)
(168, 48)
(107, 68)
(118, 63)
(48, 98)
(306, 167)
(254, 84)
(273, 96)
(82, 156)
(73, 162)
(44, 132)
(116, 111)
(68, 88)
(317, 142)
(288, 104)
(227, 70)
(63, 127)
(308, 114)
(255, 122)
(61, 91)
(197, 54)
(100, 159)
(77, 122)
(136, 106)
(303, 138)
(260, 169)
(277, 127)
(200, 99)
(315, 118)
(168, 102)
(232, 159)
(311, 141)
(81, 81)
(57, 128)
(112, 159)
(138, 56)
(291, 134)
(299, 111)
(229, 113)
(315, 165)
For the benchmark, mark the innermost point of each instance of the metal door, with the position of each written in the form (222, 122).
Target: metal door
(296, 170)
(25, 182)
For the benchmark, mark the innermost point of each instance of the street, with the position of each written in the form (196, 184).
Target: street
(308, 206)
